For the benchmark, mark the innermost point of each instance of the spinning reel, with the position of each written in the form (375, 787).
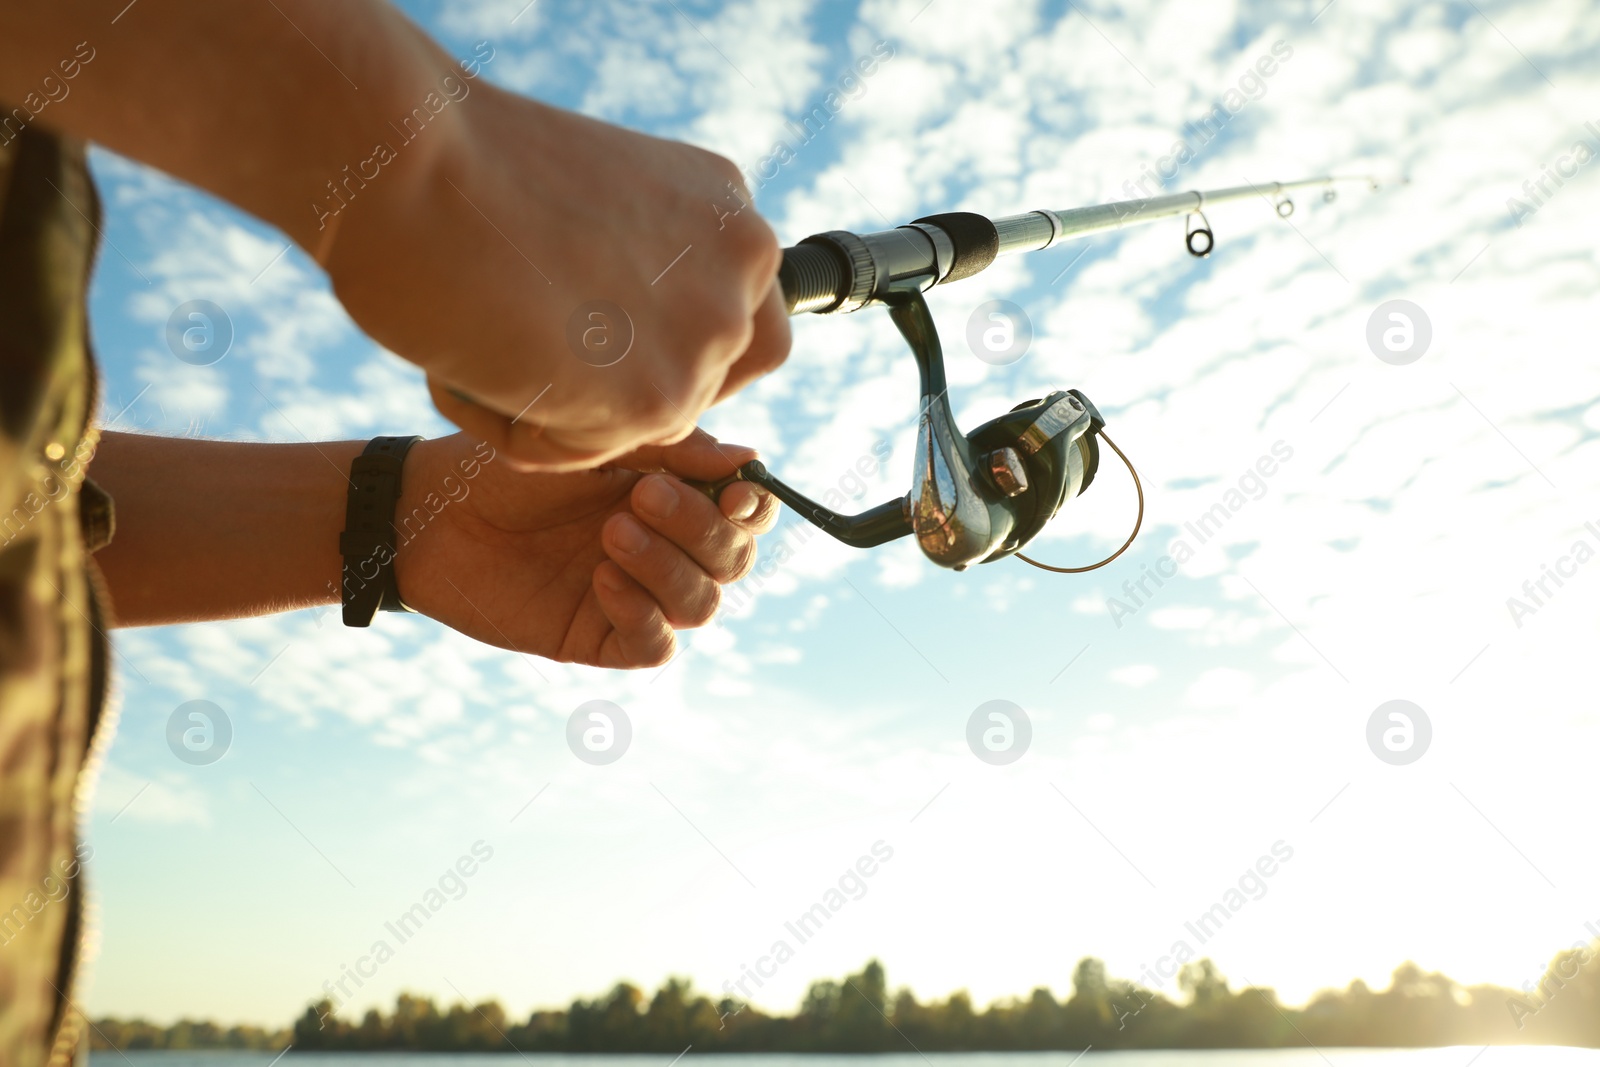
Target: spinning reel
(977, 497)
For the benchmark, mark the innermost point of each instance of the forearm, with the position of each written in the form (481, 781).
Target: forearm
(219, 529)
(262, 104)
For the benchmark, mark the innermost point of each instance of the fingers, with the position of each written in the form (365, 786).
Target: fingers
(685, 593)
(699, 456)
(718, 536)
(522, 442)
(682, 547)
(751, 507)
(668, 562)
(640, 634)
(768, 347)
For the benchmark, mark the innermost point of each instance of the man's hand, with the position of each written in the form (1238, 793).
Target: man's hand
(596, 567)
(573, 289)
(465, 228)
(540, 563)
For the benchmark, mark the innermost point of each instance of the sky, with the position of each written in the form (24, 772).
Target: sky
(1179, 733)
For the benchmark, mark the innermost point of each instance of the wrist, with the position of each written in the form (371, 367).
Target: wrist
(384, 167)
(439, 476)
(410, 208)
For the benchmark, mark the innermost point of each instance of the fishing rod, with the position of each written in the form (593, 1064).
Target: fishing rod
(839, 271)
(980, 496)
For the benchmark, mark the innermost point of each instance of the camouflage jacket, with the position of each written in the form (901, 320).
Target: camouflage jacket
(53, 610)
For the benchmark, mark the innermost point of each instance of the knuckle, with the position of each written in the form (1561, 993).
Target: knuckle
(658, 652)
(719, 316)
(525, 454)
(730, 328)
(668, 414)
(725, 170)
(757, 239)
(715, 327)
(744, 559)
(706, 608)
(660, 408)
(699, 609)
(767, 512)
(768, 356)
(758, 244)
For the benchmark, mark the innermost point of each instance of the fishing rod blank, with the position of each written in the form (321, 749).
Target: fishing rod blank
(840, 271)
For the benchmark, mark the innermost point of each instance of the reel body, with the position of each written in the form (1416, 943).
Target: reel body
(975, 497)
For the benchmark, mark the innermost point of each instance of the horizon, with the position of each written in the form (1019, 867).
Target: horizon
(1521, 1004)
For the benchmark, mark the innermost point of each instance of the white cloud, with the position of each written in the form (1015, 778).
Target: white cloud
(169, 800)
(1181, 618)
(1135, 675)
(1220, 687)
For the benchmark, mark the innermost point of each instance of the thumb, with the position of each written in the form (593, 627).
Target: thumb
(697, 456)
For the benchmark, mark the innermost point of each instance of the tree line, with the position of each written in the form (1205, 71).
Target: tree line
(860, 1014)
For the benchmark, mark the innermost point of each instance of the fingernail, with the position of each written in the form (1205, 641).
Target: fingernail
(658, 497)
(629, 536)
(746, 507)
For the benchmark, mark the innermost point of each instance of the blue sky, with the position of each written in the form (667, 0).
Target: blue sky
(1171, 748)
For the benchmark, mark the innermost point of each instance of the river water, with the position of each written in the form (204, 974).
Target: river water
(1493, 1056)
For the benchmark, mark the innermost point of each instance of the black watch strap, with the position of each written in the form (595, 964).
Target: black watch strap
(368, 541)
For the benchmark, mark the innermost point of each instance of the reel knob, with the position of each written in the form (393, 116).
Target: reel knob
(1007, 471)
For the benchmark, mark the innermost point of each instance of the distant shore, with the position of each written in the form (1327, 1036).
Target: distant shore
(860, 1014)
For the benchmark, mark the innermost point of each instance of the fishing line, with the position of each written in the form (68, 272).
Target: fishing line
(1137, 522)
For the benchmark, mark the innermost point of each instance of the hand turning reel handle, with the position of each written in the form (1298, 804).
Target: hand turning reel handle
(981, 496)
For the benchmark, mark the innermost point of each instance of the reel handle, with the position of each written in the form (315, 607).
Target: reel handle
(871, 528)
